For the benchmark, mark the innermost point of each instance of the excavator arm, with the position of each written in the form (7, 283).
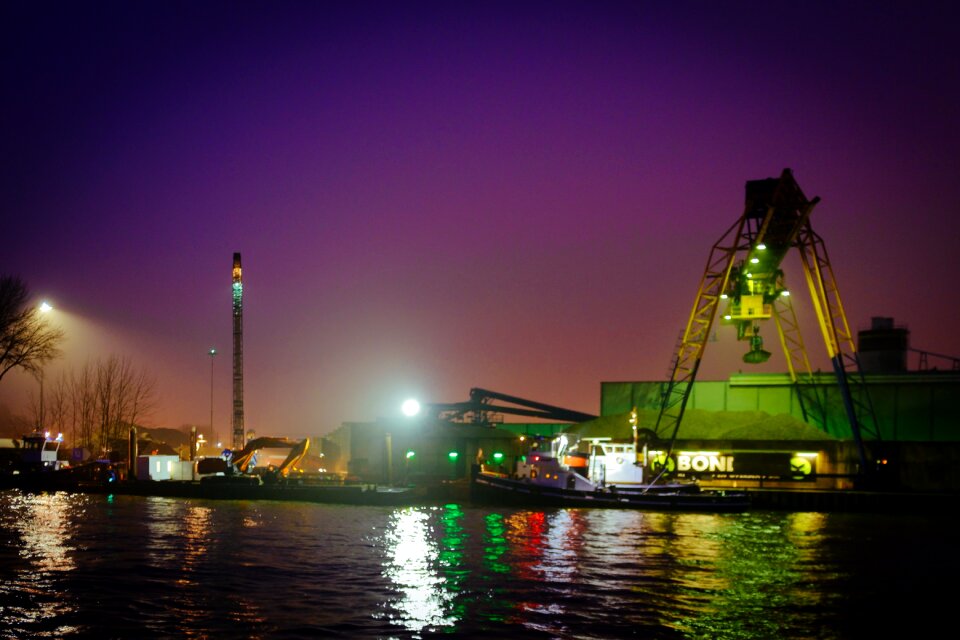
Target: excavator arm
(296, 455)
(242, 459)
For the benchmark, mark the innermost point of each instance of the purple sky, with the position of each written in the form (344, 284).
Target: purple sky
(430, 197)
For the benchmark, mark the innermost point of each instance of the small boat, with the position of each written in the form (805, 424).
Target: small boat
(606, 475)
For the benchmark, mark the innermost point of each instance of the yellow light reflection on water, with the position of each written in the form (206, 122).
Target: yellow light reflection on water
(46, 523)
(180, 535)
(746, 564)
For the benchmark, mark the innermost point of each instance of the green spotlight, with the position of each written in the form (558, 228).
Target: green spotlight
(410, 454)
(453, 455)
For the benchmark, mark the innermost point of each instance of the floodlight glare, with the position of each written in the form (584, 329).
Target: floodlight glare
(410, 407)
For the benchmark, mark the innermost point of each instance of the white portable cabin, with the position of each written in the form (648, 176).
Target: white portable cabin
(163, 468)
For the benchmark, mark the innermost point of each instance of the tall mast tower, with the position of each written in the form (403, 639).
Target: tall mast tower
(238, 439)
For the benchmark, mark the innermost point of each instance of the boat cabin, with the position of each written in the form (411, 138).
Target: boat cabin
(546, 470)
(40, 451)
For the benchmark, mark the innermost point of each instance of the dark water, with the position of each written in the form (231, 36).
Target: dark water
(130, 567)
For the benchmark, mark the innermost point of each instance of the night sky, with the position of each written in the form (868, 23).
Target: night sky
(430, 197)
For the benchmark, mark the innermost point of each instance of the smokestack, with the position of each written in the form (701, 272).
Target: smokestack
(238, 434)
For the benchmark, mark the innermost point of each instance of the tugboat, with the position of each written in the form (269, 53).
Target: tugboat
(36, 466)
(39, 468)
(606, 475)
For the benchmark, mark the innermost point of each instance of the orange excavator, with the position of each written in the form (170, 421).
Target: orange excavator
(241, 461)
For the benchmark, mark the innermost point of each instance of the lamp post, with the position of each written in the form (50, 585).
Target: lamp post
(212, 353)
(44, 308)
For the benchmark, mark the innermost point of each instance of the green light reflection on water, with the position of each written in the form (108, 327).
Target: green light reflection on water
(451, 557)
(451, 544)
(495, 544)
(494, 548)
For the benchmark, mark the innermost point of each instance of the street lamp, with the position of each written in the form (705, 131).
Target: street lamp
(45, 308)
(212, 352)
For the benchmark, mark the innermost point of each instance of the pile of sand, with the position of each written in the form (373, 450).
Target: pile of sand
(699, 424)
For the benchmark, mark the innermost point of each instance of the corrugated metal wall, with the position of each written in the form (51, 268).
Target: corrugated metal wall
(913, 407)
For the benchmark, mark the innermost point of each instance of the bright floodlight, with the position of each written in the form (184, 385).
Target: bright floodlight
(410, 407)
(45, 307)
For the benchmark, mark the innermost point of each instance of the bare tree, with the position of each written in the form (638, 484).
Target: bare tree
(58, 405)
(50, 413)
(27, 340)
(143, 396)
(122, 396)
(106, 401)
(98, 404)
(82, 406)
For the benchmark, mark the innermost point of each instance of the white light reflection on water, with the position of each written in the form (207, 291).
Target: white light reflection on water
(413, 569)
(563, 546)
(45, 524)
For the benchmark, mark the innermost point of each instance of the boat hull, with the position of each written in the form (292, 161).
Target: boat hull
(241, 488)
(490, 489)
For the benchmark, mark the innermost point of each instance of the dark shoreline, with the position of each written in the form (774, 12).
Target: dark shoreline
(369, 494)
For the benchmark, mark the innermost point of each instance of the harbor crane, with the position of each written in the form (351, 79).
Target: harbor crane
(744, 274)
(481, 409)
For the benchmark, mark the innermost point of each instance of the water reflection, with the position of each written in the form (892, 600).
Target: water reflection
(495, 544)
(179, 544)
(564, 544)
(527, 534)
(137, 567)
(525, 531)
(44, 522)
(163, 531)
(452, 545)
(178, 535)
(748, 565)
(33, 596)
(196, 537)
(413, 569)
